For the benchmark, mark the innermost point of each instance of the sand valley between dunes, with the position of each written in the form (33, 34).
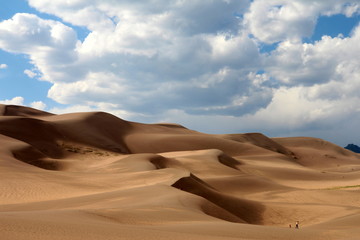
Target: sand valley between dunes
(95, 176)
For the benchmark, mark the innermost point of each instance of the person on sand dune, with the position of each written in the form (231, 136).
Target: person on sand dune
(297, 224)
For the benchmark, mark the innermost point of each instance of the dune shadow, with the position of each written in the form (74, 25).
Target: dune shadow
(33, 156)
(229, 161)
(245, 210)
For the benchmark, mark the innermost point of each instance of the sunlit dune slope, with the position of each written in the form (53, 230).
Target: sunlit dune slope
(96, 176)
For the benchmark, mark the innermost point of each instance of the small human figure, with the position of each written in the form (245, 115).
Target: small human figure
(290, 225)
(297, 224)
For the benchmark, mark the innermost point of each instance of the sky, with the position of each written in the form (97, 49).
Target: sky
(279, 67)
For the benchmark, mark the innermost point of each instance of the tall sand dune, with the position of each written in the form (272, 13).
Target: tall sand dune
(96, 176)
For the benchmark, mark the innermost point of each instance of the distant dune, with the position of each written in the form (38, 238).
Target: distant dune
(95, 176)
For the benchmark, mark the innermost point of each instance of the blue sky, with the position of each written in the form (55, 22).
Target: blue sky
(277, 67)
(334, 25)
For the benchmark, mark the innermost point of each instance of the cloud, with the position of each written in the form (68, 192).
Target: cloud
(13, 101)
(21, 101)
(30, 74)
(189, 55)
(291, 113)
(190, 17)
(38, 105)
(194, 61)
(327, 60)
(79, 13)
(103, 107)
(50, 44)
(351, 9)
(273, 21)
(3, 66)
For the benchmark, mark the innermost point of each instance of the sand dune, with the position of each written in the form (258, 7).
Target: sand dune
(95, 176)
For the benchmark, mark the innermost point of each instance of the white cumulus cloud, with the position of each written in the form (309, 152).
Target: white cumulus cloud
(327, 60)
(38, 105)
(273, 21)
(50, 44)
(142, 55)
(14, 101)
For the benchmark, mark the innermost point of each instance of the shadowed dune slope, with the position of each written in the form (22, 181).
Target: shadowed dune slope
(13, 110)
(260, 140)
(96, 176)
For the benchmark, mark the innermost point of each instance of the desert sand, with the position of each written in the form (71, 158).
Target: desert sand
(95, 176)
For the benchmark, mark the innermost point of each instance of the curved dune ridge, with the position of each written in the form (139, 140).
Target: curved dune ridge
(96, 176)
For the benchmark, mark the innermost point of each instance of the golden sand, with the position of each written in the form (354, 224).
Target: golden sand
(94, 176)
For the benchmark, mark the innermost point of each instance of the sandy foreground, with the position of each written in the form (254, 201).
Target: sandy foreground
(95, 176)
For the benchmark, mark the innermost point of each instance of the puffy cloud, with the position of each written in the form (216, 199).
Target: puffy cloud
(38, 105)
(291, 107)
(185, 16)
(30, 74)
(3, 66)
(78, 12)
(37, 33)
(110, 108)
(273, 21)
(21, 101)
(188, 54)
(194, 61)
(351, 9)
(50, 45)
(327, 60)
(14, 101)
(96, 87)
(291, 113)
